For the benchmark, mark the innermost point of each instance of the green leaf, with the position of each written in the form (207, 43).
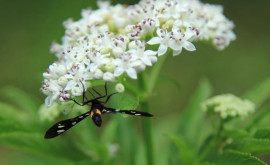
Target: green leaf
(127, 140)
(20, 98)
(186, 156)
(162, 79)
(17, 157)
(263, 133)
(11, 126)
(250, 145)
(9, 113)
(109, 133)
(238, 158)
(259, 93)
(87, 162)
(261, 119)
(125, 102)
(35, 143)
(192, 118)
(234, 133)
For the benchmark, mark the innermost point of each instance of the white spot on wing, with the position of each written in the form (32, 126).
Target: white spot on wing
(137, 114)
(61, 126)
(60, 130)
(117, 110)
(74, 122)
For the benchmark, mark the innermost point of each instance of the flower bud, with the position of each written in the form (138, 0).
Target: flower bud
(76, 91)
(110, 66)
(98, 74)
(60, 70)
(119, 87)
(117, 51)
(132, 45)
(104, 51)
(108, 77)
(62, 81)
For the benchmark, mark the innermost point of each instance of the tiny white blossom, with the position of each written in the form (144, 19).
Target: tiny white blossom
(98, 74)
(181, 40)
(146, 56)
(77, 76)
(163, 39)
(148, 25)
(108, 77)
(119, 87)
(126, 63)
(228, 106)
(98, 60)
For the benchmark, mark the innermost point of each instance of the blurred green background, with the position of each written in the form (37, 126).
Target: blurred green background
(29, 26)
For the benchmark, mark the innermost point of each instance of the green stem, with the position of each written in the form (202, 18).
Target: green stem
(147, 131)
(146, 85)
(147, 125)
(213, 143)
(156, 70)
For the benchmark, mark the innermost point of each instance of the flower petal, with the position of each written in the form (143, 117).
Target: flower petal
(150, 53)
(177, 52)
(189, 46)
(154, 40)
(118, 71)
(132, 73)
(71, 84)
(174, 45)
(162, 49)
(93, 67)
(146, 60)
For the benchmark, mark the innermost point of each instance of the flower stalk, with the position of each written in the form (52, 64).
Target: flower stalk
(147, 123)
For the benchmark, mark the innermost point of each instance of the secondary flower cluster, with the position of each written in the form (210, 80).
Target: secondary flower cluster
(117, 40)
(228, 105)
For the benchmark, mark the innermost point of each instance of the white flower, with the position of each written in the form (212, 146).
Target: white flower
(126, 63)
(54, 91)
(135, 31)
(228, 106)
(111, 40)
(103, 41)
(120, 42)
(77, 76)
(181, 40)
(98, 60)
(55, 71)
(148, 25)
(138, 48)
(163, 39)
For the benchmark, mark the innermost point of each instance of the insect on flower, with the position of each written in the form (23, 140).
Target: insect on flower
(95, 112)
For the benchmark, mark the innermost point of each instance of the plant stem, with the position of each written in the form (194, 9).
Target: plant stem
(146, 84)
(213, 143)
(147, 131)
(147, 125)
(156, 70)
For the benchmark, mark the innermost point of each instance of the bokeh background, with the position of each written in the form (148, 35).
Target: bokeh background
(29, 26)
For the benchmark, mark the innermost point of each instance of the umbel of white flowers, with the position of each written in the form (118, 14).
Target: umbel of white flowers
(116, 40)
(228, 106)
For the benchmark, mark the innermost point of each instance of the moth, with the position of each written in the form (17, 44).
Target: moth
(97, 109)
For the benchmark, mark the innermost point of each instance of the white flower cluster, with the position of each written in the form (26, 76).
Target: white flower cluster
(113, 40)
(228, 105)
